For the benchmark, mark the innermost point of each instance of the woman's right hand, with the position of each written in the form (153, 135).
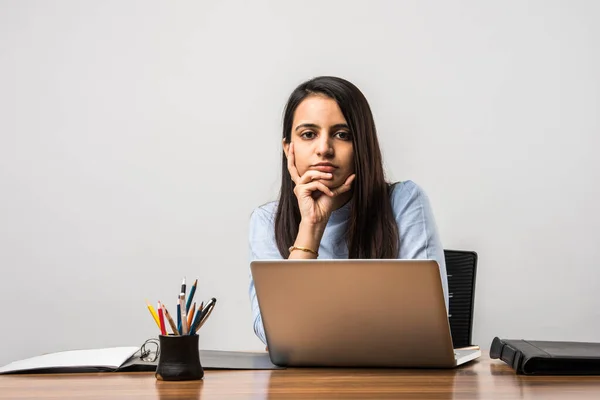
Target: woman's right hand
(315, 199)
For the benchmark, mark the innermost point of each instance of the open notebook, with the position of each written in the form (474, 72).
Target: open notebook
(123, 359)
(93, 360)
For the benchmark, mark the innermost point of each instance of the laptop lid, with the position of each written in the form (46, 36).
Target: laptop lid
(354, 313)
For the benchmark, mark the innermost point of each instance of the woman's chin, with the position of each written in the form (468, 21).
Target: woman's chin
(331, 183)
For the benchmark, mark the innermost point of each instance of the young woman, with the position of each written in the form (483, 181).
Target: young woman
(334, 200)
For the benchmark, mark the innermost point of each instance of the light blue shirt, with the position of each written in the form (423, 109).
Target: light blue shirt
(419, 238)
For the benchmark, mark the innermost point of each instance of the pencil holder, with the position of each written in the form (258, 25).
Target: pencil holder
(179, 358)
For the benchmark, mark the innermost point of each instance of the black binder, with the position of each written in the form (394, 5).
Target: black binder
(530, 357)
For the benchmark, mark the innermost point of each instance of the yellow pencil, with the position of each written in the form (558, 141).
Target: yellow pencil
(154, 314)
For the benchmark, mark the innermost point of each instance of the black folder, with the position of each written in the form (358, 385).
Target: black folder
(531, 357)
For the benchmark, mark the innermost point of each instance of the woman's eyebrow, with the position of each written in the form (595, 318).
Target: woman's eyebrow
(338, 126)
(312, 126)
(317, 127)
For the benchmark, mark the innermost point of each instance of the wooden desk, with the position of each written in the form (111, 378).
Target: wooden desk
(483, 379)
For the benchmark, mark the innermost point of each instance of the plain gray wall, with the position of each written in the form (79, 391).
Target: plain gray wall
(138, 136)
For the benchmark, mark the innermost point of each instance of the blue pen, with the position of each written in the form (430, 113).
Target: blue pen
(189, 300)
(178, 317)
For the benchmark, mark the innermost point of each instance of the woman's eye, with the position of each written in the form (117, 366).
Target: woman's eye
(343, 135)
(308, 135)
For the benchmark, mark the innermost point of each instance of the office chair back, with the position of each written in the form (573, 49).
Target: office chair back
(461, 267)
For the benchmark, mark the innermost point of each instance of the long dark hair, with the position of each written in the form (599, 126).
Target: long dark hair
(372, 230)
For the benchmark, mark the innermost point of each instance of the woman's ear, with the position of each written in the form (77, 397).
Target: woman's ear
(286, 147)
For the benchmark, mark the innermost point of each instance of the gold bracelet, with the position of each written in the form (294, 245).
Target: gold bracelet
(292, 248)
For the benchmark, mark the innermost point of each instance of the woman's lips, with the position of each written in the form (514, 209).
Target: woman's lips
(324, 168)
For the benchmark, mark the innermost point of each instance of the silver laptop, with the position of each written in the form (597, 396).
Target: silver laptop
(355, 313)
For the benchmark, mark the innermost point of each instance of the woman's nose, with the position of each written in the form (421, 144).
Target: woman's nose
(324, 146)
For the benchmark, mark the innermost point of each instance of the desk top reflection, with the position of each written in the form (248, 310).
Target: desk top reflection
(482, 379)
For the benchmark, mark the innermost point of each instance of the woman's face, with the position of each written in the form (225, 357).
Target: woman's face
(322, 139)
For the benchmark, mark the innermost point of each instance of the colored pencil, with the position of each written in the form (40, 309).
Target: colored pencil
(190, 315)
(192, 292)
(161, 319)
(179, 317)
(196, 320)
(171, 322)
(154, 314)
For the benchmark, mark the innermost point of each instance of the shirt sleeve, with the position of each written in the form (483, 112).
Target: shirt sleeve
(262, 246)
(419, 237)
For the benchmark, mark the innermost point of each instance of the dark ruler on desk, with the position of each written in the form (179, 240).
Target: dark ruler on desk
(212, 359)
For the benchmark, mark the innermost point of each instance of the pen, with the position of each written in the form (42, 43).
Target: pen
(161, 319)
(184, 326)
(206, 313)
(154, 315)
(192, 292)
(183, 306)
(171, 322)
(203, 315)
(205, 318)
(190, 315)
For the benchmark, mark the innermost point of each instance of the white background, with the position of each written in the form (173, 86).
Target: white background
(138, 136)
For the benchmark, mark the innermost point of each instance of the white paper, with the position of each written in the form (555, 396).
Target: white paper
(105, 358)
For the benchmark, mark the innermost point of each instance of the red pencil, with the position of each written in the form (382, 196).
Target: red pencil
(161, 318)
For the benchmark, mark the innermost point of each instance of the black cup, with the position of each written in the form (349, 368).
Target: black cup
(179, 358)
